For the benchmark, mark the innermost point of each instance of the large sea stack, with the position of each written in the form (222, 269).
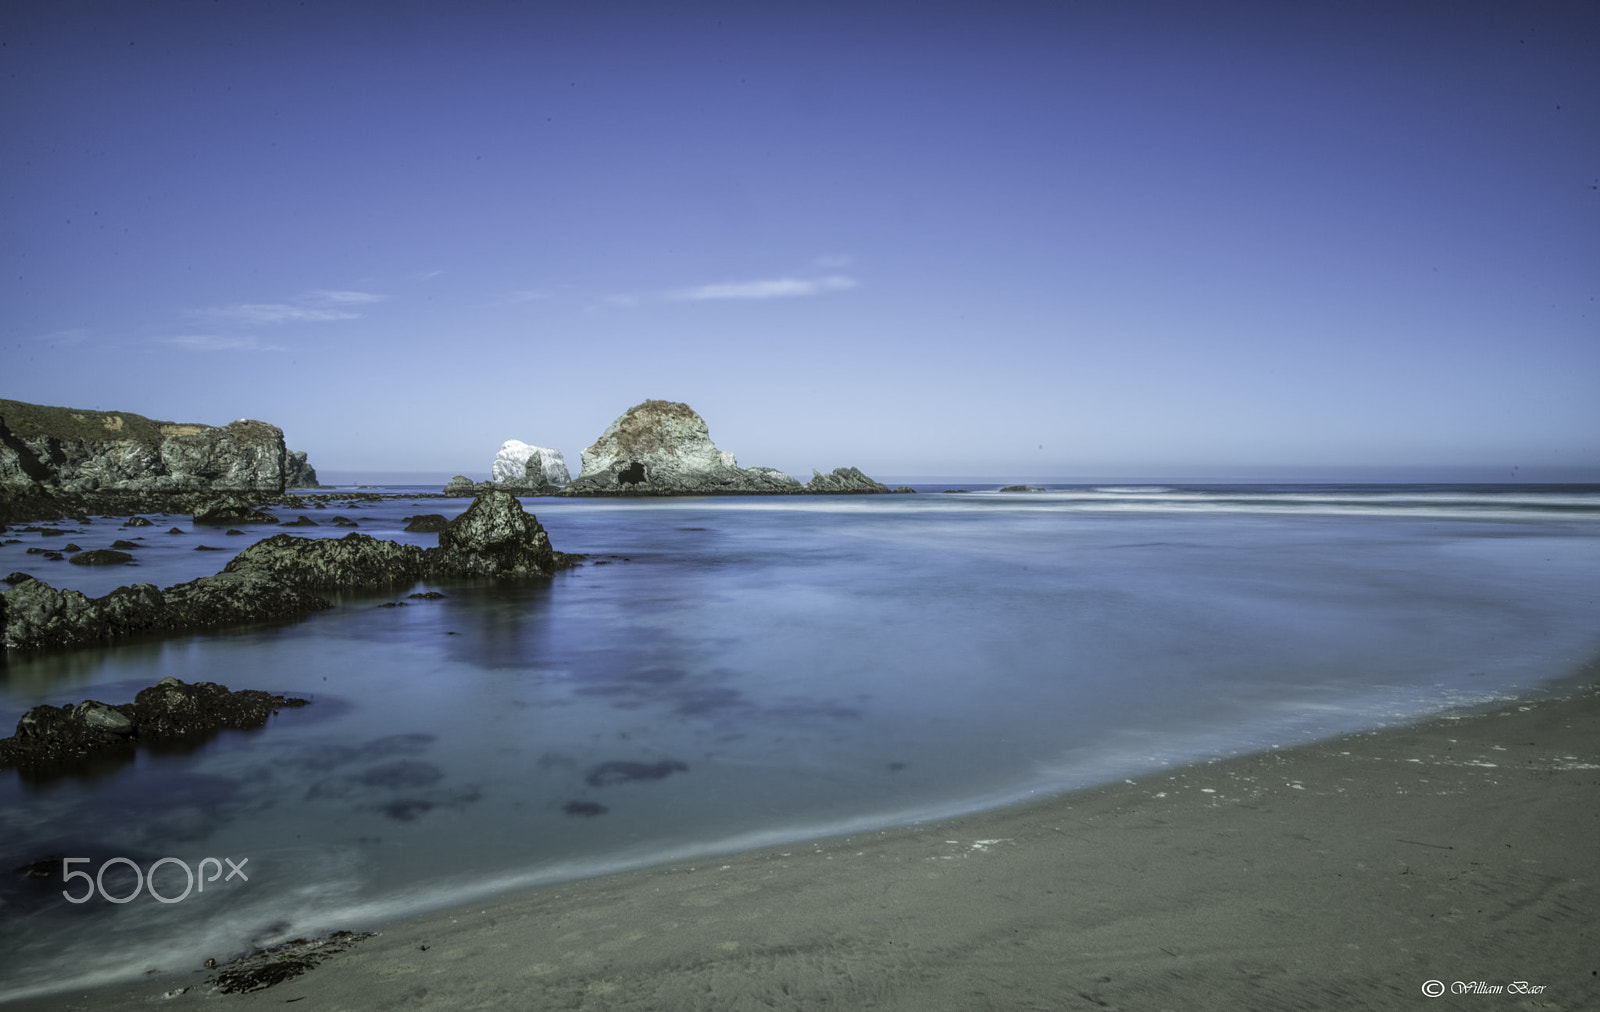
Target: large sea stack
(664, 448)
(53, 450)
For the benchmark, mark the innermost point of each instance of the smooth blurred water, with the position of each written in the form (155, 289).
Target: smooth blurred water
(764, 669)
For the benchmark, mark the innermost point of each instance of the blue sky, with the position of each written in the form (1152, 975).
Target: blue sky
(1023, 239)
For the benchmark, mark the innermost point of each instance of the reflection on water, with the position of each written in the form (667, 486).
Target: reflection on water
(743, 671)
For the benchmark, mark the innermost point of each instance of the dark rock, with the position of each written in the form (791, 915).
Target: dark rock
(432, 595)
(956, 491)
(16, 578)
(208, 548)
(76, 548)
(495, 537)
(101, 557)
(175, 530)
(124, 545)
(137, 522)
(231, 510)
(233, 532)
(461, 485)
(1021, 488)
(903, 489)
(618, 771)
(304, 521)
(170, 709)
(344, 522)
(428, 523)
(51, 532)
(843, 481)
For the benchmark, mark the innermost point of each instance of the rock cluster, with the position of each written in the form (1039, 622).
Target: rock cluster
(170, 709)
(78, 450)
(281, 578)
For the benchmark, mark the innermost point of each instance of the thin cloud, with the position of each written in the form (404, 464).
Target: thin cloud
(216, 342)
(318, 306)
(342, 298)
(258, 313)
(833, 262)
(775, 288)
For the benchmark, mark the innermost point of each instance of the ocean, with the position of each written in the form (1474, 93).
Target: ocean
(725, 673)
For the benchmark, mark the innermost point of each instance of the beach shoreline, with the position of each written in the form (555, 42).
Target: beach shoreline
(1344, 873)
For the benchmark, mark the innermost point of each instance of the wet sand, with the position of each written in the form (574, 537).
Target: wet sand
(1339, 875)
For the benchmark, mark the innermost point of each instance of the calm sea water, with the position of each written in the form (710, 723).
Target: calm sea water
(733, 672)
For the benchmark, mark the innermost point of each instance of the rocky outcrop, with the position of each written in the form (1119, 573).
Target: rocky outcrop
(67, 450)
(231, 510)
(521, 465)
(171, 709)
(282, 577)
(298, 472)
(664, 448)
(843, 481)
(461, 486)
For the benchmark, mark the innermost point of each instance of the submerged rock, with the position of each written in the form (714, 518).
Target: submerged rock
(843, 481)
(665, 448)
(50, 736)
(101, 557)
(427, 523)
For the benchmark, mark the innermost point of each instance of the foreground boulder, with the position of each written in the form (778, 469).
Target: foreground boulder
(282, 577)
(664, 448)
(169, 710)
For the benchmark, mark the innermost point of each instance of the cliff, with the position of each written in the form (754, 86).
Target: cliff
(54, 450)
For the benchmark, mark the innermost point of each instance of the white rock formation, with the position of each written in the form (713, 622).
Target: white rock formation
(519, 463)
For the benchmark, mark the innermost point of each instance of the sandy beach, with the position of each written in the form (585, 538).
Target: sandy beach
(1344, 874)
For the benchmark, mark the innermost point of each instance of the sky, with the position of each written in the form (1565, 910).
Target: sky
(1025, 240)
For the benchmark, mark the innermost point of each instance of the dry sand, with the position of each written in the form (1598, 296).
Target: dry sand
(1341, 875)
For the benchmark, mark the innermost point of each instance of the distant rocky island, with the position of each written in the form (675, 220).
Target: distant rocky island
(657, 448)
